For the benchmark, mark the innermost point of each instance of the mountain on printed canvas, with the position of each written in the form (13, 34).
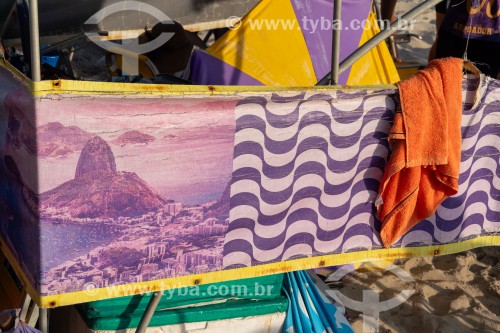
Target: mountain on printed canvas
(56, 140)
(99, 190)
(133, 137)
(220, 209)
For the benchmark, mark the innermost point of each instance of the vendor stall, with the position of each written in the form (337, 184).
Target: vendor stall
(117, 189)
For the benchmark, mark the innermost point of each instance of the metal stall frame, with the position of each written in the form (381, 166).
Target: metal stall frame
(330, 79)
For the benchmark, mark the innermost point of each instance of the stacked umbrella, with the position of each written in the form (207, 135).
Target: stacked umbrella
(310, 310)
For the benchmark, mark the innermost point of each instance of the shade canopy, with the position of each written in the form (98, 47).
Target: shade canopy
(289, 43)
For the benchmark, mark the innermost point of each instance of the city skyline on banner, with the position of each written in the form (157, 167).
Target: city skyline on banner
(126, 185)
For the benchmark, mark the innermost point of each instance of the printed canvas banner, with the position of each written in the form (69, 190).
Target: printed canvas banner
(104, 187)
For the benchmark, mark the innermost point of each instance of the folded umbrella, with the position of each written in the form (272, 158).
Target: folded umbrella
(310, 311)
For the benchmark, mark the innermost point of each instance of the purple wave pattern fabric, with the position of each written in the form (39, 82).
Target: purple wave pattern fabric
(307, 168)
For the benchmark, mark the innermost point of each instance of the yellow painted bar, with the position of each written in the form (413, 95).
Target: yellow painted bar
(267, 269)
(70, 87)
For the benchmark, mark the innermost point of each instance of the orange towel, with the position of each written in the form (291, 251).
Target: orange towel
(426, 142)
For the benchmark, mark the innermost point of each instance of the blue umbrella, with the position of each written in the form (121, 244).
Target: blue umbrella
(310, 311)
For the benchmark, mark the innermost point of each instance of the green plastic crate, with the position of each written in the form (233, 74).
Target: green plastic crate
(237, 298)
(230, 309)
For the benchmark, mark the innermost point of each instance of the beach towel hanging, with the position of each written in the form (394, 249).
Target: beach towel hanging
(424, 166)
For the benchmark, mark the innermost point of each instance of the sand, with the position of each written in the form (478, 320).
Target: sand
(424, 26)
(452, 293)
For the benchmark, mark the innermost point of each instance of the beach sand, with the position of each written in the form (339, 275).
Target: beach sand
(452, 293)
(424, 26)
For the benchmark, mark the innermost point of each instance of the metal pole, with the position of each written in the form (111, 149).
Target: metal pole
(44, 320)
(378, 38)
(34, 41)
(148, 314)
(337, 11)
